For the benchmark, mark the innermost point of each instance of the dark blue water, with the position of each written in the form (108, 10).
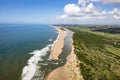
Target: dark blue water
(16, 42)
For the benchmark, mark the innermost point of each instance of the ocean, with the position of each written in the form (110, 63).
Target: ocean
(25, 51)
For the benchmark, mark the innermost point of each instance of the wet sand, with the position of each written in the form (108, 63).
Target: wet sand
(57, 47)
(70, 71)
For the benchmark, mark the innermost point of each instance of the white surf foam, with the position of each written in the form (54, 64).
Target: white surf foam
(31, 67)
(55, 40)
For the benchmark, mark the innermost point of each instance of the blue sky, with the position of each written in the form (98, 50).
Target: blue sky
(30, 11)
(54, 11)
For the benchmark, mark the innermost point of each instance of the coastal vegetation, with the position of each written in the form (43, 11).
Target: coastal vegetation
(62, 28)
(98, 50)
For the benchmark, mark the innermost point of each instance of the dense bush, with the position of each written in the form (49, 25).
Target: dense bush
(96, 61)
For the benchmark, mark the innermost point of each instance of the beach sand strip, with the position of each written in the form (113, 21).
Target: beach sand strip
(58, 46)
(70, 71)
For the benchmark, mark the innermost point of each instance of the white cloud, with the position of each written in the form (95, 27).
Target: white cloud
(115, 11)
(90, 8)
(63, 16)
(110, 1)
(75, 13)
(88, 13)
(103, 1)
(116, 16)
(83, 2)
(104, 12)
(71, 9)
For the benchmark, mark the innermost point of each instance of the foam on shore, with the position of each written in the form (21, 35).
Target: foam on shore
(32, 66)
(55, 40)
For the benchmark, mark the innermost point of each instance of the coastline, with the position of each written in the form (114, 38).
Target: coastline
(69, 71)
(29, 70)
(58, 44)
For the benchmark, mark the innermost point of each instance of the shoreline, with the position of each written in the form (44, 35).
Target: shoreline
(58, 44)
(69, 71)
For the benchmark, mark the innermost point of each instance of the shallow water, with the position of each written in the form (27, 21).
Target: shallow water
(25, 51)
(17, 41)
(48, 65)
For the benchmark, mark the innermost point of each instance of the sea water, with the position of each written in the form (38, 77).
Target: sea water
(22, 46)
(25, 51)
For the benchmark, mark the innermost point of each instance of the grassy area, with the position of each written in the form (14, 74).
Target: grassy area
(94, 31)
(62, 28)
(99, 55)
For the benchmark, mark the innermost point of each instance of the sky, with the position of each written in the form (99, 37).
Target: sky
(60, 11)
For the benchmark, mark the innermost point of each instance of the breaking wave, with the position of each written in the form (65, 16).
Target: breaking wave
(32, 67)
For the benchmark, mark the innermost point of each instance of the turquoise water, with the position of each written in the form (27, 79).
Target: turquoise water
(17, 41)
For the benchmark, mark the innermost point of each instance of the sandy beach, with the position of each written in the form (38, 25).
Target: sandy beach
(69, 71)
(57, 47)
